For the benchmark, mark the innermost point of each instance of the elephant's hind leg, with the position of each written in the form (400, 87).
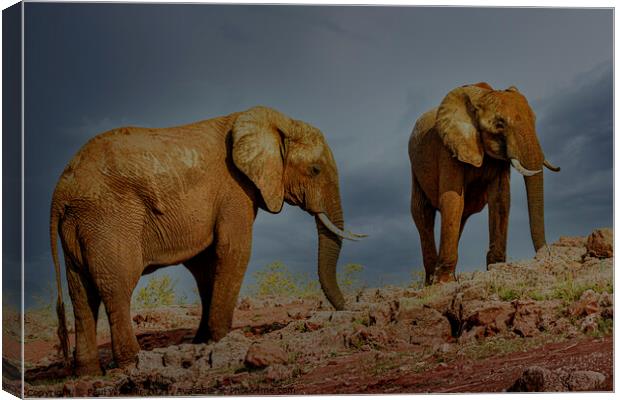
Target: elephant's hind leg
(86, 302)
(116, 270)
(202, 268)
(423, 214)
(499, 208)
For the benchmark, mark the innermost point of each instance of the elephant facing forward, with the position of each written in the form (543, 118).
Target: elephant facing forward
(460, 154)
(133, 200)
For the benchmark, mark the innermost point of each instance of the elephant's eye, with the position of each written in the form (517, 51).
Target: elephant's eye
(315, 170)
(500, 123)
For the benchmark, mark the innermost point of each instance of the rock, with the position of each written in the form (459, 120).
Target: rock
(278, 372)
(559, 326)
(585, 381)
(589, 324)
(606, 300)
(494, 316)
(381, 313)
(527, 318)
(472, 334)
(245, 304)
(80, 388)
(539, 379)
(263, 354)
(149, 361)
(309, 326)
(409, 308)
(183, 356)
(586, 305)
(600, 243)
(366, 338)
(230, 351)
(337, 317)
(429, 327)
(570, 241)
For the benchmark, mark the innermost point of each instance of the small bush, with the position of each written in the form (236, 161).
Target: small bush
(277, 280)
(349, 279)
(418, 279)
(159, 291)
(605, 327)
(569, 290)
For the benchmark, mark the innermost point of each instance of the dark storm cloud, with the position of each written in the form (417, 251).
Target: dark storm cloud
(576, 128)
(360, 74)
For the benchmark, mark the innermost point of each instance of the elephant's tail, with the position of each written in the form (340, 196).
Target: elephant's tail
(62, 332)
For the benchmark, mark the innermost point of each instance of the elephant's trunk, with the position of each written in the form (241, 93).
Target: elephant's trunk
(536, 209)
(329, 250)
(532, 157)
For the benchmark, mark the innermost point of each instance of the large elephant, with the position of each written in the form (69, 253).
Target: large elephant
(133, 200)
(461, 153)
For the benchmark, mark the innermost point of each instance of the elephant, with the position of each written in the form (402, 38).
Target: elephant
(133, 200)
(461, 153)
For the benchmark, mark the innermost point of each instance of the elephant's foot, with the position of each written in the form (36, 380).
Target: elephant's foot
(444, 278)
(443, 275)
(494, 258)
(202, 337)
(87, 368)
(128, 356)
(217, 334)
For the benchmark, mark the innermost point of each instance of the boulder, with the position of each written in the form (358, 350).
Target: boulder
(263, 354)
(585, 381)
(149, 360)
(570, 241)
(79, 388)
(230, 351)
(409, 308)
(600, 243)
(587, 304)
(429, 327)
(366, 338)
(539, 379)
(527, 318)
(278, 372)
(589, 324)
(337, 317)
(381, 313)
(494, 316)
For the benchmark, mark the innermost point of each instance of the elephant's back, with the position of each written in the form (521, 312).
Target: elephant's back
(421, 129)
(143, 158)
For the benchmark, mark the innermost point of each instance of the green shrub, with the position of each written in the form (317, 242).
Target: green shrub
(569, 290)
(349, 279)
(277, 280)
(605, 327)
(159, 291)
(418, 279)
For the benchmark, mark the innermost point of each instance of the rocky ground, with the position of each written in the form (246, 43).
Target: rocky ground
(543, 324)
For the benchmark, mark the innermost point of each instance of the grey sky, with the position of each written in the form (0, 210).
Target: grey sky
(360, 74)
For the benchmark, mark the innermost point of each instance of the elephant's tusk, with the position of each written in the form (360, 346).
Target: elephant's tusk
(551, 166)
(522, 170)
(343, 234)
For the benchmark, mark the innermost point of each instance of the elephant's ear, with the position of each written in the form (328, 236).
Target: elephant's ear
(456, 124)
(257, 150)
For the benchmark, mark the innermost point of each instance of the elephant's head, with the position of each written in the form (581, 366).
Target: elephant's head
(475, 120)
(289, 160)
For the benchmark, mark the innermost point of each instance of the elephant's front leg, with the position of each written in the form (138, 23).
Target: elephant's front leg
(232, 253)
(499, 208)
(202, 268)
(451, 205)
